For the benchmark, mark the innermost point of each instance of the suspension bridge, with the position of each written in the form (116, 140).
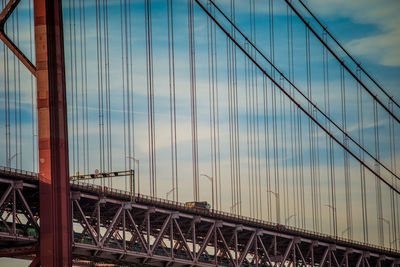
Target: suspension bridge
(119, 117)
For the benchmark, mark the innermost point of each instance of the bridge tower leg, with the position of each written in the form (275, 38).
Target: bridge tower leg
(54, 188)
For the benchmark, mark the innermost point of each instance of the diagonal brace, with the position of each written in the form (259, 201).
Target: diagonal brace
(5, 14)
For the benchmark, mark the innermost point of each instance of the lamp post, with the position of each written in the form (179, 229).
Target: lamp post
(234, 206)
(288, 219)
(211, 179)
(278, 215)
(10, 159)
(346, 230)
(388, 223)
(169, 192)
(394, 242)
(136, 161)
(274, 193)
(334, 217)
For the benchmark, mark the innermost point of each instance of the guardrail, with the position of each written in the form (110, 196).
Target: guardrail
(229, 216)
(214, 213)
(13, 172)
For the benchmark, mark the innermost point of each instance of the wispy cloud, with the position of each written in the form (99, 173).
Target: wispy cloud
(383, 45)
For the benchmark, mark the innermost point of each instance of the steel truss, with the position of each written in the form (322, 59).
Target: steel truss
(108, 227)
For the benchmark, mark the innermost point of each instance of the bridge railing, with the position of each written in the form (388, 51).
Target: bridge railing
(13, 171)
(227, 216)
(215, 213)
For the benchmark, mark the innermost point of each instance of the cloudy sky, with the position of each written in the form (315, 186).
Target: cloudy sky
(369, 29)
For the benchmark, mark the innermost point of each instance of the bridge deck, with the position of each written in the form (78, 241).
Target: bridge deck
(156, 231)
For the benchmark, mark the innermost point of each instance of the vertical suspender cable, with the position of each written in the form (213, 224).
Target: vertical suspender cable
(75, 96)
(131, 89)
(346, 156)
(7, 113)
(236, 115)
(310, 132)
(252, 122)
(86, 90)
(393, 197)
(19, 119)
(108, 86)
(172, 100)
(82, 85)
(33, 109)
(257, 130)
(193, 100)
(360, 120)
(289, 15)
(99, 85)
(15, 109)
(127, 159)
(230, 122)
(128, 85)
(210, 99)
(274, 116)
(378, 189)
(249, 174)
(72, 89)
(150, 99)
(218, 144)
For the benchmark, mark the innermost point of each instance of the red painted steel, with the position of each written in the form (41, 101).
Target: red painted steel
(5, 14)
(55, 210)
(35, 262)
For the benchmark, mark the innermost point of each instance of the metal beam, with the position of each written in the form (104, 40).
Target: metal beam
(211, 233)
(54, 187)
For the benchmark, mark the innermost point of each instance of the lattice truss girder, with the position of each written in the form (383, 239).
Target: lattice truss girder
(109, 228)
(18, 217)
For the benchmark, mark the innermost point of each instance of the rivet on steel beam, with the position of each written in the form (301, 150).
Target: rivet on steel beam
(102, 200)
(297, 240)
(127, 205)
(239, 227)
(197, 219)
(151, 209)
(18, 184)
(75, 195)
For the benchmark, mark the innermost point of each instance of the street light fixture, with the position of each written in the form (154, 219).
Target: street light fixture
(11, 158)
(234, 205)
(278, 215)
(393, 242)
(136, 161)
(388, 223)
(211, 179)
(169, 192)
(334, 216)
(288, 219)
(346, 230)
(274, 193)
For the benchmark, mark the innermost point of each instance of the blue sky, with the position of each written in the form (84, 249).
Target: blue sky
(369, 29)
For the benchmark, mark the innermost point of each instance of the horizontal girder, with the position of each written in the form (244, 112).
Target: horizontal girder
(108, 227)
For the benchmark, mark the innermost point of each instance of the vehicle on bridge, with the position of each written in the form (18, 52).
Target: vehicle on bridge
(201, 205)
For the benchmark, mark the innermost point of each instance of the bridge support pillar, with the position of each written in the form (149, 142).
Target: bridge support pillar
(55, 209)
